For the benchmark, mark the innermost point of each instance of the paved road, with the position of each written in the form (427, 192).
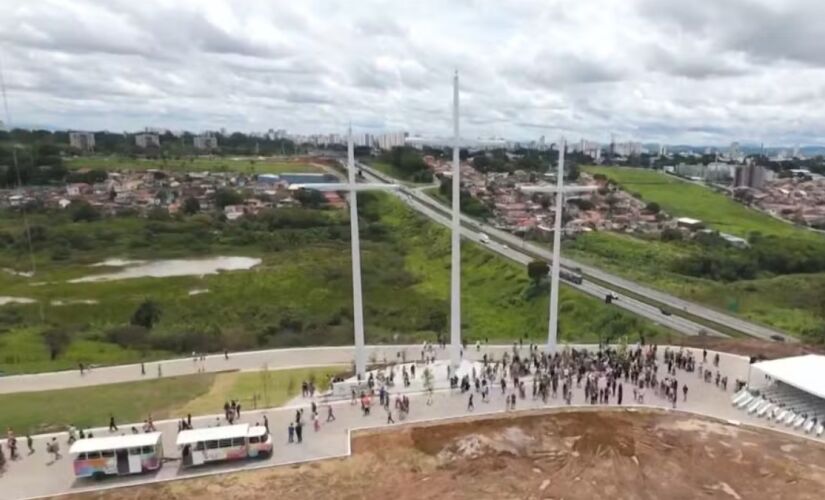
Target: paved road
(616, 283)
(513, 251)
(37, 475)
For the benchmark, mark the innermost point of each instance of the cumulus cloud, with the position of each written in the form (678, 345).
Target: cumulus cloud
(705, 71)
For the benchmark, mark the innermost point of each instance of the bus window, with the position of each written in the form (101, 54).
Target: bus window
(93, 454)
(81, 456)
(238, 441)
(199, 446)
(211, 445)
(253, 439)
(225, 443)
(134, 451)
(107, 453)
(148, 449)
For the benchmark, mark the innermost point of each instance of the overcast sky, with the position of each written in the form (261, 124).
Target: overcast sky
(678, 71)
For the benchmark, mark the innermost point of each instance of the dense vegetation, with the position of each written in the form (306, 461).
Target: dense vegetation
(404, 163)
(299, 295)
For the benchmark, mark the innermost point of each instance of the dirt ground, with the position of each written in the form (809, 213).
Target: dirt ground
(751, 347)
(562, 455)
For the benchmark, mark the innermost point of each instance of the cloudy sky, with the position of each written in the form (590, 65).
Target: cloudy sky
(698, 71)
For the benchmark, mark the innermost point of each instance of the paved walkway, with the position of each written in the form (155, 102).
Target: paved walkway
(251, 360)
(37, 475)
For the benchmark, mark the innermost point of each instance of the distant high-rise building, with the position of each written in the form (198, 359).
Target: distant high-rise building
(205, 141)
(146, 140)
(752, 176)
(392, 140)
(84, 141)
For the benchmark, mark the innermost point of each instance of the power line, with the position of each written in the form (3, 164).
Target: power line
(19, 180)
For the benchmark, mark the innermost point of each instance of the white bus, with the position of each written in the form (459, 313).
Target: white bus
(117, 455)
(232, 442)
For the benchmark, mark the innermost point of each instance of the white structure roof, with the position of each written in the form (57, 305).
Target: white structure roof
(115, 442)
(806, 373)
(212, 434)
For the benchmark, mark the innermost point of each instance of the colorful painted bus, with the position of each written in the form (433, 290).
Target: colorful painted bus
(117, 455)
(233, 442)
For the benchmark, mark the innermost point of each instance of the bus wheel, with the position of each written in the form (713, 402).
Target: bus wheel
(98, 476)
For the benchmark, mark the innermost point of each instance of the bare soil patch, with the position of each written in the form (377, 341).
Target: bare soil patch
(562, 455)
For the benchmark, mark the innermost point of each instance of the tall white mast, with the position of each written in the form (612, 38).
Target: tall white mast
(357, 298)
(553, 329)
(455, 267)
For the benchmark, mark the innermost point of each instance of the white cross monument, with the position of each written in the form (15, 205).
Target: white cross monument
(357, 297)
(559, 190)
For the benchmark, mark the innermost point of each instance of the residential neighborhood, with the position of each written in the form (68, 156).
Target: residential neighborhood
(140, 191)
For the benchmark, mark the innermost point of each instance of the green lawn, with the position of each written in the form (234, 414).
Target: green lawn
(680, 198)
(201, 394)
(264, 389)
(90, 406)
(193, 164)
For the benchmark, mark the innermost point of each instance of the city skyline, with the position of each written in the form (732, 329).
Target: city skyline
(646, 71)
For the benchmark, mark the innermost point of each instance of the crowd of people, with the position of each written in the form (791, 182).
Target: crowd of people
(602, 377)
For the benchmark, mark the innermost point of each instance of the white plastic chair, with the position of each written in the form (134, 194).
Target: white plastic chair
(762, 411)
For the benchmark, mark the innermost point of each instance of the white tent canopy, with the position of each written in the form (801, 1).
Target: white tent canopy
(806, 373)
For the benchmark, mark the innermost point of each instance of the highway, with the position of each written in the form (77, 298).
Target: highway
(674, 322)
(517, 249)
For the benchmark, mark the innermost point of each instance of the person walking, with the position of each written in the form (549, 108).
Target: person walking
(188, 420)
(684, 392)
(290, 431)
(389, 417)
(112, 426)
(142, 368)
(299, 431)
(316, 422)
(54, 448)
(470, 406)
(160, 371)
(30, 443)
(238, 411)
(330, 415)
(619, 394)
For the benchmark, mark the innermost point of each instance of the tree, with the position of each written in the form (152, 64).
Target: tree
(147, 314)
(224, 197)
(82, 211)
(537, 270)
(191, 206)
(310, 198)
(57, 340)
(653, 207)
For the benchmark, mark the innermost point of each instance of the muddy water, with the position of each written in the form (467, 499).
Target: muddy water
(167, 268)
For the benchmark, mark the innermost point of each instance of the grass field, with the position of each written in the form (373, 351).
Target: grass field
(301, 293)
(266, 388)
(783, 301)
(193, 164)
(161, 398)
(686, 199)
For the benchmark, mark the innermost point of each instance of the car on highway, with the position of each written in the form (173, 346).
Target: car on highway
(482, 237)
(778, 338)
(666, 312)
